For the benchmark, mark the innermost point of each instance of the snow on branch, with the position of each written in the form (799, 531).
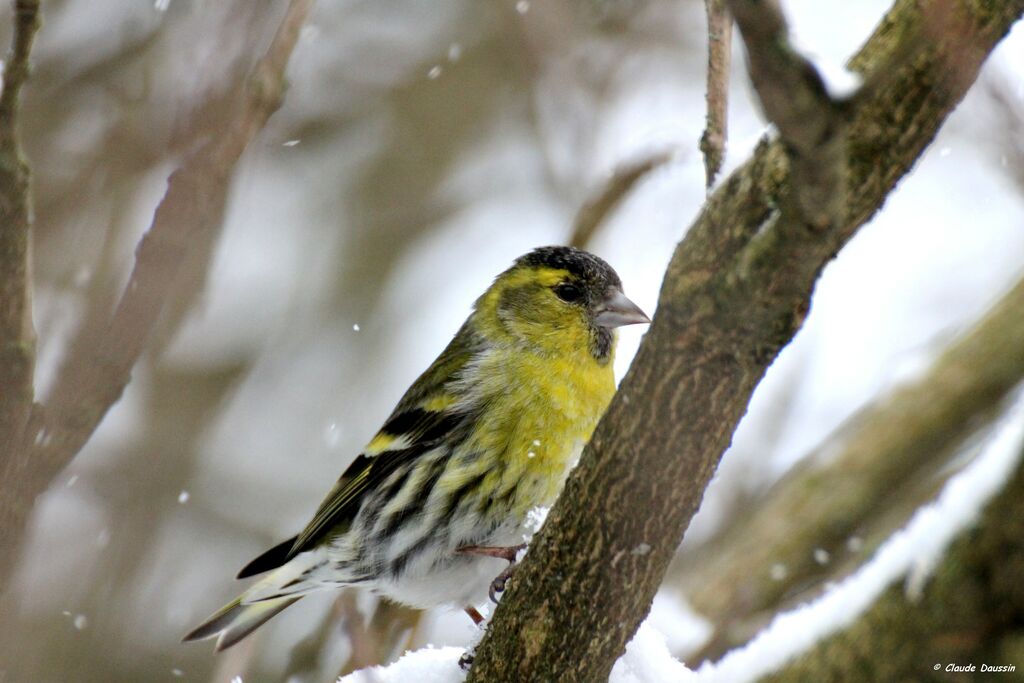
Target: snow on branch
(913, 551)
(824, 502)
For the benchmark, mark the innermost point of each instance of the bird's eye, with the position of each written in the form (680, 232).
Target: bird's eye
(568, 292)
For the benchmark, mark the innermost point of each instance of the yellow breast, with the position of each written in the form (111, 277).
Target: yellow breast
(541, 411)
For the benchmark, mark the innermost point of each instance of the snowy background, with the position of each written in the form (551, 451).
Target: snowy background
(422, 146)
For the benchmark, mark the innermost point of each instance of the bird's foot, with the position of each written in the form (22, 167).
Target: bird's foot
(466, 660)
(507, 553)
(498, 585)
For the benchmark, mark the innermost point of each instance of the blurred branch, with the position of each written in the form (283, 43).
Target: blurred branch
(593, 214)
(347, 610)
(93, 378)
(888, 449)
(716, 132)
(371, 643)
(392, 629)
(970, 611)
(304, 658)
(17, 336)
(735, 293)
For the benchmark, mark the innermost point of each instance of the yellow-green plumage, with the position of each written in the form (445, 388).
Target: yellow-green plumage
(537, 423)
(486, 434)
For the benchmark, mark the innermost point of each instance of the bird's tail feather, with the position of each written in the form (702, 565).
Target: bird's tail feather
(236, 620)
(262, 600)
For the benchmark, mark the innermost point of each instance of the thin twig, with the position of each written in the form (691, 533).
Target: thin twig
(17, 336)
(716, 132)
(593, 214)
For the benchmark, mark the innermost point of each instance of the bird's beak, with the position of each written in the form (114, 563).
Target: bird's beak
(616, 310)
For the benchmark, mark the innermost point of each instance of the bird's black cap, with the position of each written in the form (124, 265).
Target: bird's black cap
(579, 263)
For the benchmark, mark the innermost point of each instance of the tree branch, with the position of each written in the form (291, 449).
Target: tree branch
(90, 383)
(716, 131)
(17, 335)
(885, 449)
(969, 612)
(735, 293)
(93, 378)
(811, 124)
(593, 214)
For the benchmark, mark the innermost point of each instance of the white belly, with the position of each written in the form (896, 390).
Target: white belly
(461, 584)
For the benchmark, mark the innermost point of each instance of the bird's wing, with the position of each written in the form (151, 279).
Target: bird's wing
(341, 504)
(429, 414)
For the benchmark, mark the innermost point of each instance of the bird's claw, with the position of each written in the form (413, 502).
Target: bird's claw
(507, 553)
(500, 583)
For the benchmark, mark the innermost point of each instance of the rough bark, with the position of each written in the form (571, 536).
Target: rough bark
(878, 468)
(971, 611)
(93, 377)
(736, 291)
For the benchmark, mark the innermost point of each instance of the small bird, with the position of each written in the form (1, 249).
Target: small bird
(439, 498)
